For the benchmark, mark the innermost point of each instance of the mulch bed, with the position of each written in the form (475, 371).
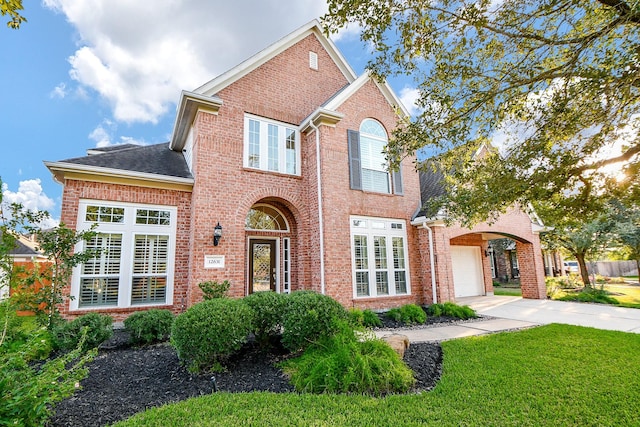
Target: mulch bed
(125, 380)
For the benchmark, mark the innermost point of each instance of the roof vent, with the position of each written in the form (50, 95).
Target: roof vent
(313, 60)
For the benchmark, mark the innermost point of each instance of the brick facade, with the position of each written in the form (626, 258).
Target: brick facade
(286, 89)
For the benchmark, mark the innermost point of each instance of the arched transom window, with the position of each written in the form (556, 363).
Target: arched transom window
(375, 174)
(265, 217)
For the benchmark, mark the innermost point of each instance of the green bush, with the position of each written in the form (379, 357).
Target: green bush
(213, 289)
(149, 326)
(309, 316)
(452, 310)
(356, 316)
(30, 391)
(209, 332)
(394, 314)
(267, 310)
(345, 363)
(66, 335)
(371, 319)
(409, 314)
(593, 295)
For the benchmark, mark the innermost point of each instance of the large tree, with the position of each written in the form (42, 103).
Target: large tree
(553, 84)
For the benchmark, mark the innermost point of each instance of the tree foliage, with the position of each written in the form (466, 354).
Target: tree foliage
(554, 84)
(12, 8)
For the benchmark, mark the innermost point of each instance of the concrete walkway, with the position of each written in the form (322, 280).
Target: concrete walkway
(515, 313)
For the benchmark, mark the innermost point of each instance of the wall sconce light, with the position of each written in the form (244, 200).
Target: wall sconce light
(488, 251)
(217, 234)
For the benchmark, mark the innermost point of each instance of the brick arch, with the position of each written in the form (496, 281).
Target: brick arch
(270, 195)
(528, 251)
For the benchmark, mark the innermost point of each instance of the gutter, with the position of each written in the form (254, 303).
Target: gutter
(432, 262)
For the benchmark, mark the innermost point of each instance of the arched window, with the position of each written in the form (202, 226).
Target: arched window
(375, 174)
(265, 217)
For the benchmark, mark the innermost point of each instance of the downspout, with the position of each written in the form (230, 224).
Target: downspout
(432, 262)
(320, 219)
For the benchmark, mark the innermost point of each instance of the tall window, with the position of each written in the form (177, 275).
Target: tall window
(380, 266)
(271, 146)
(134, 263)
(368, 166)
(373, 139)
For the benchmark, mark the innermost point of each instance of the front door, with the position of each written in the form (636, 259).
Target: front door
(262, 265)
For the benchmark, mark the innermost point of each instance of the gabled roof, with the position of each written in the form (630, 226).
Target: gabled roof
(141, 162)
(205, 97)
(338, 99)
(313, 27)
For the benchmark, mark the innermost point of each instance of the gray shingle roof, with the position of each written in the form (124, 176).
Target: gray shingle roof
(154, 159)
(431, 185)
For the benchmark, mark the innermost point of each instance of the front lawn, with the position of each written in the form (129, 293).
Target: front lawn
(549, 375)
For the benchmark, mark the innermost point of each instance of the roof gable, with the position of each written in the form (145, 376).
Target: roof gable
(313, 27)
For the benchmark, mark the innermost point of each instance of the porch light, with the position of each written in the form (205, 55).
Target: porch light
(217, 234)
(488, 251)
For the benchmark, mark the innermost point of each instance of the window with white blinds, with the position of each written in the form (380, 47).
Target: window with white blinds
(380, 264)
(134, 259)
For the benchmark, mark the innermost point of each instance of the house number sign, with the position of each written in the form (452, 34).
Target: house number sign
(214, 261)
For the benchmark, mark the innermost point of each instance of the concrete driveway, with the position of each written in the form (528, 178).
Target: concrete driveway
(599, 316)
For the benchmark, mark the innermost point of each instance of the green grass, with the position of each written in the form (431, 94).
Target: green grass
(627, 295)
(507, 291)
(546, 376)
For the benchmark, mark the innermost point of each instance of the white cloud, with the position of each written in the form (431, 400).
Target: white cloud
(59, 91)
(409, 97)
(103, 135)
(31, 196)
(140, 55)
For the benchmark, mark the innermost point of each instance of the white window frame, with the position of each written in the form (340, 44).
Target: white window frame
(128, 229)
(263, 162)
(370, 228)
(368, 154)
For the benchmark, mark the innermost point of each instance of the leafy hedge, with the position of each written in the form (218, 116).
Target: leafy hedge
(146, 327)
(67, 335)
(309, 316)
(209, 332)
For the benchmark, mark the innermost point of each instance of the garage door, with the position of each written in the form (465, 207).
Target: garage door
(466, 262)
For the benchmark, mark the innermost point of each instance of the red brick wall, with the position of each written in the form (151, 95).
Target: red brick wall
(514, 224)
(74, 191)
(340, 201)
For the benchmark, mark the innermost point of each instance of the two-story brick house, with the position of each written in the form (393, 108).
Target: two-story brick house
(280, 156)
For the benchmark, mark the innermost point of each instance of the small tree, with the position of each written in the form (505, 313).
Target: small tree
(583, 240)
(627, 229)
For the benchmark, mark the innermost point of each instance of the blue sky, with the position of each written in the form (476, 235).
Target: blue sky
(94, 73)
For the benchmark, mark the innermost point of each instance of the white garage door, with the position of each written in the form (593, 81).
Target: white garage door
(466, 262)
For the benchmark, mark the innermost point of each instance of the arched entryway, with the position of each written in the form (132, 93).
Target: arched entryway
(474, 264)
(269, 228)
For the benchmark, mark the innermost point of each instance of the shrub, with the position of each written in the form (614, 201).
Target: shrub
(309, 316)
(267, 310)
(213, 289)
(66, 335)
(411, 314)
(209, 332)
(345, 363)
(408, 314)
(30, 391)
(149, 326)
(452, 310)
(592, 295)
(371, 319)
(394, 314)
(356, 316)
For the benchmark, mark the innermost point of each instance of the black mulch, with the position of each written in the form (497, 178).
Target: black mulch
(124, 380)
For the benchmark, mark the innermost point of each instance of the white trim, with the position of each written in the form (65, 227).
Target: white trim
(389, 233)
(384, 87)
(313, 27)
(128, 229)
(264, 145)
(112, 173)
